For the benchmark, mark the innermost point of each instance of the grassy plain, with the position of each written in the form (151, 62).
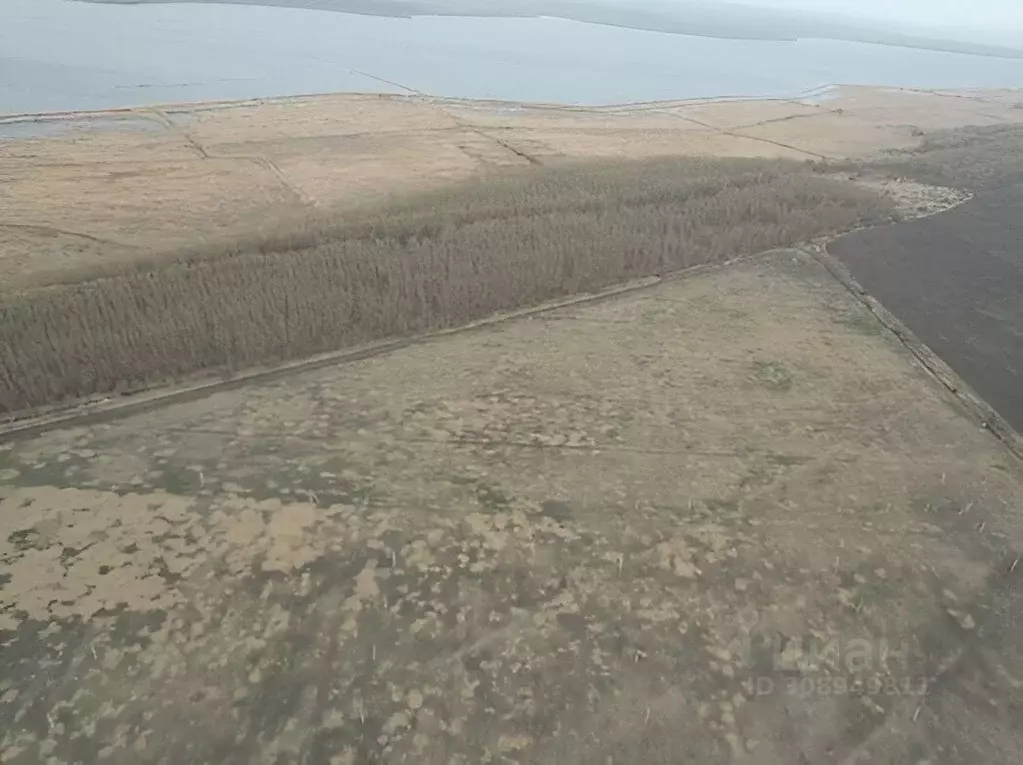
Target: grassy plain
(728, 519)
(212, 238)
(97, 191)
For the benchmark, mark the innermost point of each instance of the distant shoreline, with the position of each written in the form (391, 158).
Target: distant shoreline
(696, 18)
(64, 56)
(818, 93)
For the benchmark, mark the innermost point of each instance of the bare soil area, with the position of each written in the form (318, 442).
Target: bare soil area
(84, 191)
(956, 280)
(729, 519)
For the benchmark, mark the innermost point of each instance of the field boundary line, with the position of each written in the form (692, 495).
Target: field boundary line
(934, 365)
(96, 410)
(407, 92)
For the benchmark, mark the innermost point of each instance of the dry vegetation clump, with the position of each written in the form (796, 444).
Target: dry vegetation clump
(970, 158)
(427, 262)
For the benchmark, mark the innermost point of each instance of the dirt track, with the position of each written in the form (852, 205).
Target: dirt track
(84, 191)
(956, 280)
(728, 520)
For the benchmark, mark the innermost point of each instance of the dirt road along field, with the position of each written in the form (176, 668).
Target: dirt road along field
(92, 190)
(729, 519)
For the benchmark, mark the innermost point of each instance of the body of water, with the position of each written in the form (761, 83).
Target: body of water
(57, 55)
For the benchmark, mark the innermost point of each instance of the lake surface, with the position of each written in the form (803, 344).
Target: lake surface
(57, 56)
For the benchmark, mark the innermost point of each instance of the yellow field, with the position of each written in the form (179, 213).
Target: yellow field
(121, 186)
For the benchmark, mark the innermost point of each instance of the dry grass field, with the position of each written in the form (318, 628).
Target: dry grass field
(147, 245)
(725, 520)
(88, 191)
(979, 157)
(218, 237)
(433, 261)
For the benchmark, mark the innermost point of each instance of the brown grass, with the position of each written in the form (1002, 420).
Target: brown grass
(427, 262)
(968, 158)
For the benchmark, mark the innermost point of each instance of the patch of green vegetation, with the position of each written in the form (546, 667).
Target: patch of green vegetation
(178, 480)
(773, 375)
(133, 628)
(720, 506)
(872, 591)
(786, 460)
(556, 510)
(51, 473)
(68, 554)
(861, 322)
(359, 495)
(23, 540)
(756, 475)
(290, 485)
(489, 496)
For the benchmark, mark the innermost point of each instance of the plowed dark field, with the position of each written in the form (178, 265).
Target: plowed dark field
(956, 280)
